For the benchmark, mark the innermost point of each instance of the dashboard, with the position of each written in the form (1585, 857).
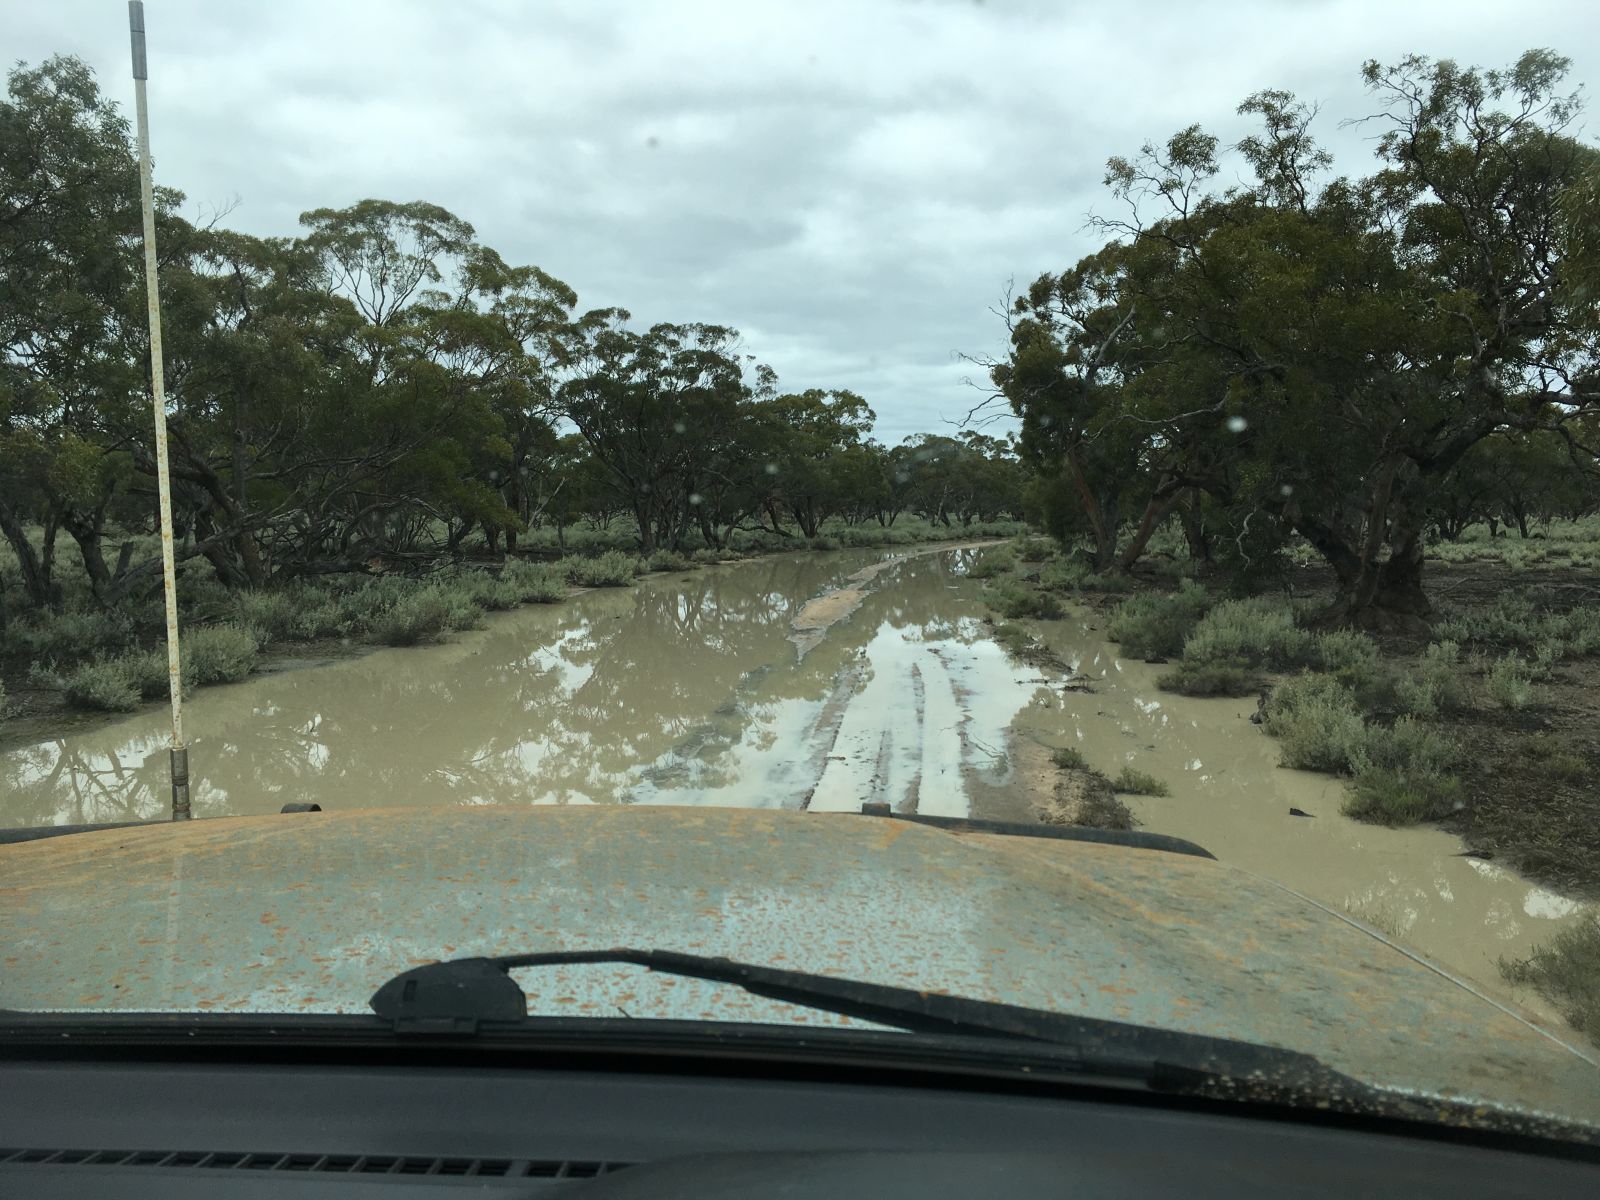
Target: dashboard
(180, 1129)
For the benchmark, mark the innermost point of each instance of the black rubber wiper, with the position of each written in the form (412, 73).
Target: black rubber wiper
(466, 995)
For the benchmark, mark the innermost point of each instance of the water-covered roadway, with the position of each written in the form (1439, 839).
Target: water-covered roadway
(802, 681)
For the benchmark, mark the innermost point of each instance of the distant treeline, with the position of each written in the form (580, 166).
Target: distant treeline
(383, 385)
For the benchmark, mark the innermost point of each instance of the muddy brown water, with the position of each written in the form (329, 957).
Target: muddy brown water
(745, 685)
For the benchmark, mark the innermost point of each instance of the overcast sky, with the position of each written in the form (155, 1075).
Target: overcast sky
(849, 183)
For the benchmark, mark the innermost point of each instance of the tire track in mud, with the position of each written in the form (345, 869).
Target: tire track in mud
(824, 735)
(891, 727)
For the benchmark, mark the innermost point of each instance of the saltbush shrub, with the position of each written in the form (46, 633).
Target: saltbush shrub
(1435, 685)
(670, 560)
(1139, 783)
(1155, 626)
(1208, 679)
(216, 654)
(1014, 599)
(1252, 633)
(1385, 796)
(490, 593)
(535, 583)
(1069, 758)
(419, 617)
(102, 686)
(1317, 723)
(611, 569)
(271, 614)
(1566, 971)
(1510, 683)
(991, 564)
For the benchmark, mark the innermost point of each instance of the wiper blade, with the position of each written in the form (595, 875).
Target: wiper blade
(462, 995)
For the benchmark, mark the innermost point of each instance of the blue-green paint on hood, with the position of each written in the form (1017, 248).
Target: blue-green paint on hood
(310, 913)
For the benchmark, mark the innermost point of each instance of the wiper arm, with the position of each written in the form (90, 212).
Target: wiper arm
(460, 995)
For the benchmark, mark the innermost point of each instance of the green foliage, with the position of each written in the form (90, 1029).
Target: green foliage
(1317, 723)
(1514, 623)
(73, 636)
(273, 615)
(1069, 758)
(1510, 684)
(104, 686)
(535, 583)
(1403, 773)
(151, 675)
(330, 619)
(423, 616)
(1350, 657)
(466, 395)
(1013, 600)
(1399, 272)
(611, 569)
(1139, 783)
(1013, 638)
(1100, 809)
(1034, 549)
(1072, 575)
(673, 560)
(216, 654)
(1566, 971)
(490, 593)
(992, 563)
(1208, 679)
(1387, 796)
(1155, 626)
(1252, 633)
(1435, 685)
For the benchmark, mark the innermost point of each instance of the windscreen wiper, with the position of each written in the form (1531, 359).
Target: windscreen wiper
(469, 995)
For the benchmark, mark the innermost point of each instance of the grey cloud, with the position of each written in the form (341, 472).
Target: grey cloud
(851, 184)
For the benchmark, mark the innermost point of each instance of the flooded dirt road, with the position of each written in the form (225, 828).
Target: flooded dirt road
(688, 688)
(801, 681)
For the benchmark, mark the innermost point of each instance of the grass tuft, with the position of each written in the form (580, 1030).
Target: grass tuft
(1139, 783)
(1566, 971)
(1069, 758)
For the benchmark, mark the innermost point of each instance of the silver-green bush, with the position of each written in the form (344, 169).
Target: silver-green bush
(1252, 633)
(102, 686)
(1153, 626)
(611, 569)
(1510, 683)
(217, 654)
(1317, 723)
(536, 583)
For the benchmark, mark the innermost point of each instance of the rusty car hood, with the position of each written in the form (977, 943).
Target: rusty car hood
(310, 913)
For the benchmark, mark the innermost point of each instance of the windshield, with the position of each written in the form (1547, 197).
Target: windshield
(592, 452)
